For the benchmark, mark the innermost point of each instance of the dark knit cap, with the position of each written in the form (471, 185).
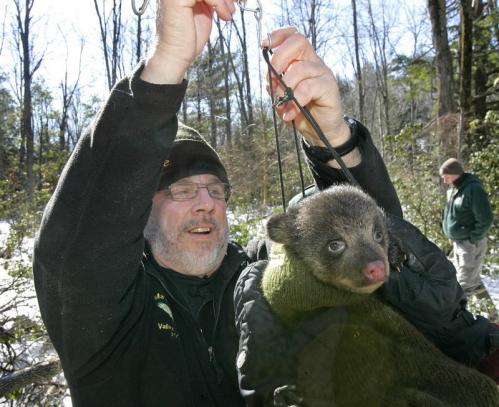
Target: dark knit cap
(452, 167)
(190, 155)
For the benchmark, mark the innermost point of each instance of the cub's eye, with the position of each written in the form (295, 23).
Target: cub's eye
(336, 246)
(378, 236)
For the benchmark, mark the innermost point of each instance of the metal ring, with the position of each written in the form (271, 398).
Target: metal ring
(141, 10)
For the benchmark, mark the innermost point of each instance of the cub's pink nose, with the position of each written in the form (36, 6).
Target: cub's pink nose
(375, 271)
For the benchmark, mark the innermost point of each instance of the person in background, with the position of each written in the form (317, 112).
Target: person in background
(467, 218)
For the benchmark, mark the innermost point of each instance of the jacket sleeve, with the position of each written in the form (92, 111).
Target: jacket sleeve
(482, 213)
(263, 362)
(371, 173)
(88, 251)
(427, 293)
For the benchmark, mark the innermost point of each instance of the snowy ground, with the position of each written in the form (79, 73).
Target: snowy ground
(33, 351)
(492, 285)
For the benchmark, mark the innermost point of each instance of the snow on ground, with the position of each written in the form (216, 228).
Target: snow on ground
(492, 285)
(21, 257)
(31, 350)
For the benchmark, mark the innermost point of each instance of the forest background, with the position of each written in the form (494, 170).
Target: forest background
(423, 76)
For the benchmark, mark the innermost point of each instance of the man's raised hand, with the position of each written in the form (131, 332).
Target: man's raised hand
(313, 84)
(183, 28)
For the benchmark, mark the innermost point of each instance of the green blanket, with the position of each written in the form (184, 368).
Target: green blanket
(359, 351)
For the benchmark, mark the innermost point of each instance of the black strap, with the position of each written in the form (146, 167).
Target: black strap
(323, 154)
(276, 132)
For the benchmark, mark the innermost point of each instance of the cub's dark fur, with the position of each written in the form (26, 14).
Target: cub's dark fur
(357, 351)
(336, 233)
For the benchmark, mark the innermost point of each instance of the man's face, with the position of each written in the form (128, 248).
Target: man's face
(191, 236)
(449, 178)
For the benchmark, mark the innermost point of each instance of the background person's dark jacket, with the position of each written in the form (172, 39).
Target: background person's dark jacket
(122, 333)
(467, 214)
(426, 292)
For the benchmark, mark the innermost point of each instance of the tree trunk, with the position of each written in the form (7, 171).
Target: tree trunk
(112, 56)
(246, 75)
(379, 39)
(138, 38)
(313, 24)
(481, 38)
(63, 123)
(198, 103)
(211, 98)
(116, 51)
(28, 70)
(437, 10)
(240, 87)
(228, 118)
(358, 70)
(466, 57)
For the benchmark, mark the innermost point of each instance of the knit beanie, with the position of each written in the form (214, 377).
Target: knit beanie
(452, 167)
(190, 155)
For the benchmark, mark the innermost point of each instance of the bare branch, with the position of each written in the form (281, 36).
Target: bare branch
(39, 373)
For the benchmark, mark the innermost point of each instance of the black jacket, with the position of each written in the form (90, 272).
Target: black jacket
(426, 292)
(113, 314)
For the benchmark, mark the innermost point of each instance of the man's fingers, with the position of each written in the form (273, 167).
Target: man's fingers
(300, 70)
(223, 8)
(307, 91)
(296, 47)
(309, 81)
(278, 36)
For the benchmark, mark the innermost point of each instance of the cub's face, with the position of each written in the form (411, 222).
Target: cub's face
(341, 234)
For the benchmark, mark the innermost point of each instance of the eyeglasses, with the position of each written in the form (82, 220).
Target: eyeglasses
(184, 191)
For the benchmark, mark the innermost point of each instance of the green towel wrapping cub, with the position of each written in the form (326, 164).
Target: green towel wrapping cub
(333, 255)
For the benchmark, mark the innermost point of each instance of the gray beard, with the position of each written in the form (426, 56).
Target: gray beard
(165, 245)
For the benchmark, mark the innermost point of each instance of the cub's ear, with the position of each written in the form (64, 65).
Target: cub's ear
(281, 227)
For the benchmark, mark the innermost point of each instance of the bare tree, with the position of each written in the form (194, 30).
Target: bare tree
(465, 64)
(29, 67)
(379, 28)
(67, 93)
(358, 68)
(314, 18)
(482, 47)
(111, 26)
(239, 78)
(138, 39)
(243, 42)
(211, 94)
(224, 51)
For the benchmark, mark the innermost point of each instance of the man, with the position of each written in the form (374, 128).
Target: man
(136, 323)
(467, 218)
(133, 271)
